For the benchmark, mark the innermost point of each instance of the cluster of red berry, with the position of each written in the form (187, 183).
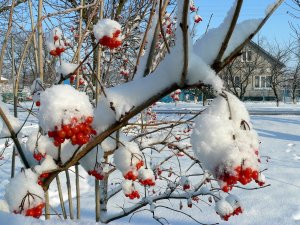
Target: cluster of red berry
(38, 156)
(147, 182)
(132, 174)
(134, 194)
(186, 186)
(59, 50)
(125, 73)
(196, 199)
(35, 212)
(42, 177)
(236, 212)
(96, 174)
(111, 42)
(78, 133)
(81, 80)
(197, 18)
(158, 171)
(243, 175)
(193, 8)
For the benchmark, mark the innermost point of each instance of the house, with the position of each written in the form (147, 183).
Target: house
(250, 76)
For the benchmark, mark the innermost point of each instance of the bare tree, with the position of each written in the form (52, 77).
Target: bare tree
(279, 70)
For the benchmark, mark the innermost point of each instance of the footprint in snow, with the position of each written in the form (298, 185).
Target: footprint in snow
(290, 147)
(296, 157)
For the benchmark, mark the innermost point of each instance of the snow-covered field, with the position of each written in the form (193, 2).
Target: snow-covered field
(278, 204)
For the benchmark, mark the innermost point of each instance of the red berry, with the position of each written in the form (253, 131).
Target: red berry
(75, 130)
(55, 38)
(38, 103)
(226, 188)
(61, 134)
(255, 175)
(56, 143)
(247, 172)
(89, 120)
(53, 52)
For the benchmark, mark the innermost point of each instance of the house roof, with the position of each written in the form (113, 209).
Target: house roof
(267, 55)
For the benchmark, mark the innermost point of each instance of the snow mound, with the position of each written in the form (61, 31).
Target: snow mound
(60, 104)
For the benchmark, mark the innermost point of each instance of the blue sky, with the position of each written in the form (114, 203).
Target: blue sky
(277, 27)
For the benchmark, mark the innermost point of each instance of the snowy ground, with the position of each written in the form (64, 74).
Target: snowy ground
(278, 204)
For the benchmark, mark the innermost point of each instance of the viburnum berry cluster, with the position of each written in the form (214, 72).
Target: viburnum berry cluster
(78, 132)
(128, 160)
(185, 183)
(66, 114)
(124, 72)
(42, 177)
(35, 212)
(146, 177)
(194, 9)
(55, 42)
(242, 175)
(151, 115)
(129, 190)
(233, 156)
(230, 206)
(28, 200)
(108, 33)
(38, 155)
(97, 172)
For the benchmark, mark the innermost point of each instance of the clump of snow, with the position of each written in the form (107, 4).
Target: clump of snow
(208, 46)
(230, 206)
(60, 104)
(37, 85)
(223, 207)
(38, 142)
(200, 72)
(23, 185)
(224, 141)
(54, 40)
(94, 157)
(48, 164)
(106, 27)
(4, 206)
(15, 122)
(145, 174)
(66, 68)
(127, 186)
(240, 34)
(127, 156)
(108, 33)
(129, 189)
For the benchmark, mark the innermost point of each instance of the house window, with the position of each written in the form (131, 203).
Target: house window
(237, 81)
(249, 56)
(268, 81)
(256, 82)
(246, 56)
(262, 81)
